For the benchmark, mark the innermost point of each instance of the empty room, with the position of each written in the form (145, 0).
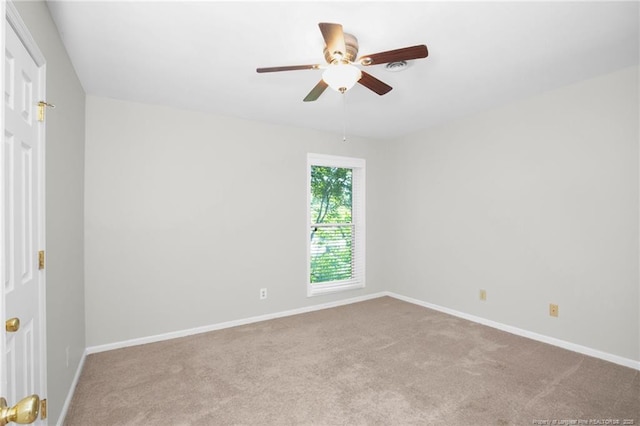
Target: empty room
(320, 213)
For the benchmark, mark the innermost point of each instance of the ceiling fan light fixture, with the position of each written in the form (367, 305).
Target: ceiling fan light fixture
(341, 53)
(341, 77)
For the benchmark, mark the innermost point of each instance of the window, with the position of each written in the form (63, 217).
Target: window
(336, 223)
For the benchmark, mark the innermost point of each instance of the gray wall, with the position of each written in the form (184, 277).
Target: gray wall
(64, 207)
(535, 202)
(189, 214)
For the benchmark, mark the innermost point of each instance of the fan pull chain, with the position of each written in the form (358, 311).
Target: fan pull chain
(344, 117)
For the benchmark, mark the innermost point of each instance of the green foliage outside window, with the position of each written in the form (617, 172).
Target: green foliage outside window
(331, 231)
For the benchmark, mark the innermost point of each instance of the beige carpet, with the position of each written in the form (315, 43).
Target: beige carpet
(379, 362)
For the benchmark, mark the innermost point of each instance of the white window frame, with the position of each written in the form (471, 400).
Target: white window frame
(358, 220)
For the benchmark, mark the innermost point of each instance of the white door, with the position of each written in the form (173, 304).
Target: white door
(22, 159)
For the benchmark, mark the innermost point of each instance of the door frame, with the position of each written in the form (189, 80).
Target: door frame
(10, 15)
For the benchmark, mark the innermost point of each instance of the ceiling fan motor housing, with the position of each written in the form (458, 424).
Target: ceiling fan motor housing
(351, 47)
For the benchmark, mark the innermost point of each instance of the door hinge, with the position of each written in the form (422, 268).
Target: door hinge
(43, 409)
(42, 105)
(41, 259)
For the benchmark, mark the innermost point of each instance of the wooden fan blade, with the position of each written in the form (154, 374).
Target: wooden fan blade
(333, 38)
(316, 91)
(370, 82)
(397, 55)
(288, 68)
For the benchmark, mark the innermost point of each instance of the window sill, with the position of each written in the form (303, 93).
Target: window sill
(320, 289)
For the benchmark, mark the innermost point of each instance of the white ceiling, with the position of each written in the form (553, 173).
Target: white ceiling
(203, 55)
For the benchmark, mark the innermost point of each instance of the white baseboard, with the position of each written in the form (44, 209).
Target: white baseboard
(228, 324)
(524, 333)
(510, 329)
(72, 390)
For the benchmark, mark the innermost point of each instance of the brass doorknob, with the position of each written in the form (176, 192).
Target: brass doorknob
(24, 412)
(12, 325)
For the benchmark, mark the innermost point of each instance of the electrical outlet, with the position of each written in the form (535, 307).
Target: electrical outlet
(553, 310)
(483, 294)
(263, 293)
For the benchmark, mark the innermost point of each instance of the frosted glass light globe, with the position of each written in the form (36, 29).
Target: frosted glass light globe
(341, 77)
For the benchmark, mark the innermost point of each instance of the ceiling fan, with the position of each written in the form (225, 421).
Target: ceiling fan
(341, 72)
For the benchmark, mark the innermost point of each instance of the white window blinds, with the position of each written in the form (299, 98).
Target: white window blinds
(336, 223)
